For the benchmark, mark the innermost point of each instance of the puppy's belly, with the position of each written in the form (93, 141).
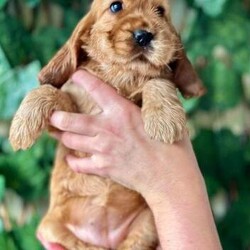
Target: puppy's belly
(103, 226)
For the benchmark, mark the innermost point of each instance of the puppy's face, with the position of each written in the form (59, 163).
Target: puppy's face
(134, 33)
(131, 31)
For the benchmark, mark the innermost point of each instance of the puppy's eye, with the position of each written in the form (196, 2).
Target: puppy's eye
(116, 6)
(160, 11)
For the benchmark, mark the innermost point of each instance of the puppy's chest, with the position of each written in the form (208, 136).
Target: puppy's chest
(128, 83)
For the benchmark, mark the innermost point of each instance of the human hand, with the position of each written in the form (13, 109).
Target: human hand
(119, 147)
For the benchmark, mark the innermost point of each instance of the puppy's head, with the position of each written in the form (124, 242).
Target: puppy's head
(135, 33)
(132, 31)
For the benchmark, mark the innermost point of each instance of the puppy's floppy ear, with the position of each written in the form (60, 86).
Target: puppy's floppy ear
(185, 77)
(66, 60)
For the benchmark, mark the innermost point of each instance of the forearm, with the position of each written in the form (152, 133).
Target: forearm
(183, 216)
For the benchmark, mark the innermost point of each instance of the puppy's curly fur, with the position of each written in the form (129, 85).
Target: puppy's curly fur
(92, 208)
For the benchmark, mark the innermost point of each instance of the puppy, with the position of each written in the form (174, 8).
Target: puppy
(133, 46)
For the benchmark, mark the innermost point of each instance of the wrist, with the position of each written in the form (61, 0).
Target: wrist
(185, 209)
(175, 189)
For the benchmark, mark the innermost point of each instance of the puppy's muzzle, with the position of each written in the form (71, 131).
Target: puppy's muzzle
(143, 37)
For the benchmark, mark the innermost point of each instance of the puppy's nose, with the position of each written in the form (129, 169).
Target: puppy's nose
(143, 37)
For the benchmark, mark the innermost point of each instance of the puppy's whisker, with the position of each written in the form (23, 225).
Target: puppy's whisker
(136, 56)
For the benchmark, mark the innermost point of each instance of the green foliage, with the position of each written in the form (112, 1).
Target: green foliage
(211, 8)
(216, 36)
(7, 242)
(30, 168)
(2, 187)
(32, 3)
(21, 238)
(225, 79)
(12, 30)
(219, 46)
(22, 80)
(235, 234)
(29, 239)
(2, 3)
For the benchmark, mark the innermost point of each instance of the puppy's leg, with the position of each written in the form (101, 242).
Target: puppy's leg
(51, 232)
(142, 235)
(163, 115)
(34, 113)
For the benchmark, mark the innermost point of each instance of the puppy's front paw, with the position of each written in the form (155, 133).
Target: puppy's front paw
(164, 124)
(29, 122)
(26, 128)
(34, 113)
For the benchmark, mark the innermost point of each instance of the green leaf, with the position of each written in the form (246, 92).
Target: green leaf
(11, 29)
(236, 235)
(32, 3)
(14, 85)
(2, 187)
(25, 235)
(240, 59)
(4, 64)
(223, 84)
(204, 147)
(211, 8)
(189, 104)
(26, 172)
(226, 86)
(47, 41)
(1, 227)
(2, 3)
(6, 242)
(221, 29)
(213, 185)
(229, 149)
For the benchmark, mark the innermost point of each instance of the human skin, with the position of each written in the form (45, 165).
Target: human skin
(167, 176)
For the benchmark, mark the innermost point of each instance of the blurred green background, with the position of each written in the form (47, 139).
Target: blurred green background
(216, 34)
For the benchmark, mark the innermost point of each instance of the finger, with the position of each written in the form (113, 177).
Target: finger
(84, 165)
(103, 94)
(75, 123)
(80, 143)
